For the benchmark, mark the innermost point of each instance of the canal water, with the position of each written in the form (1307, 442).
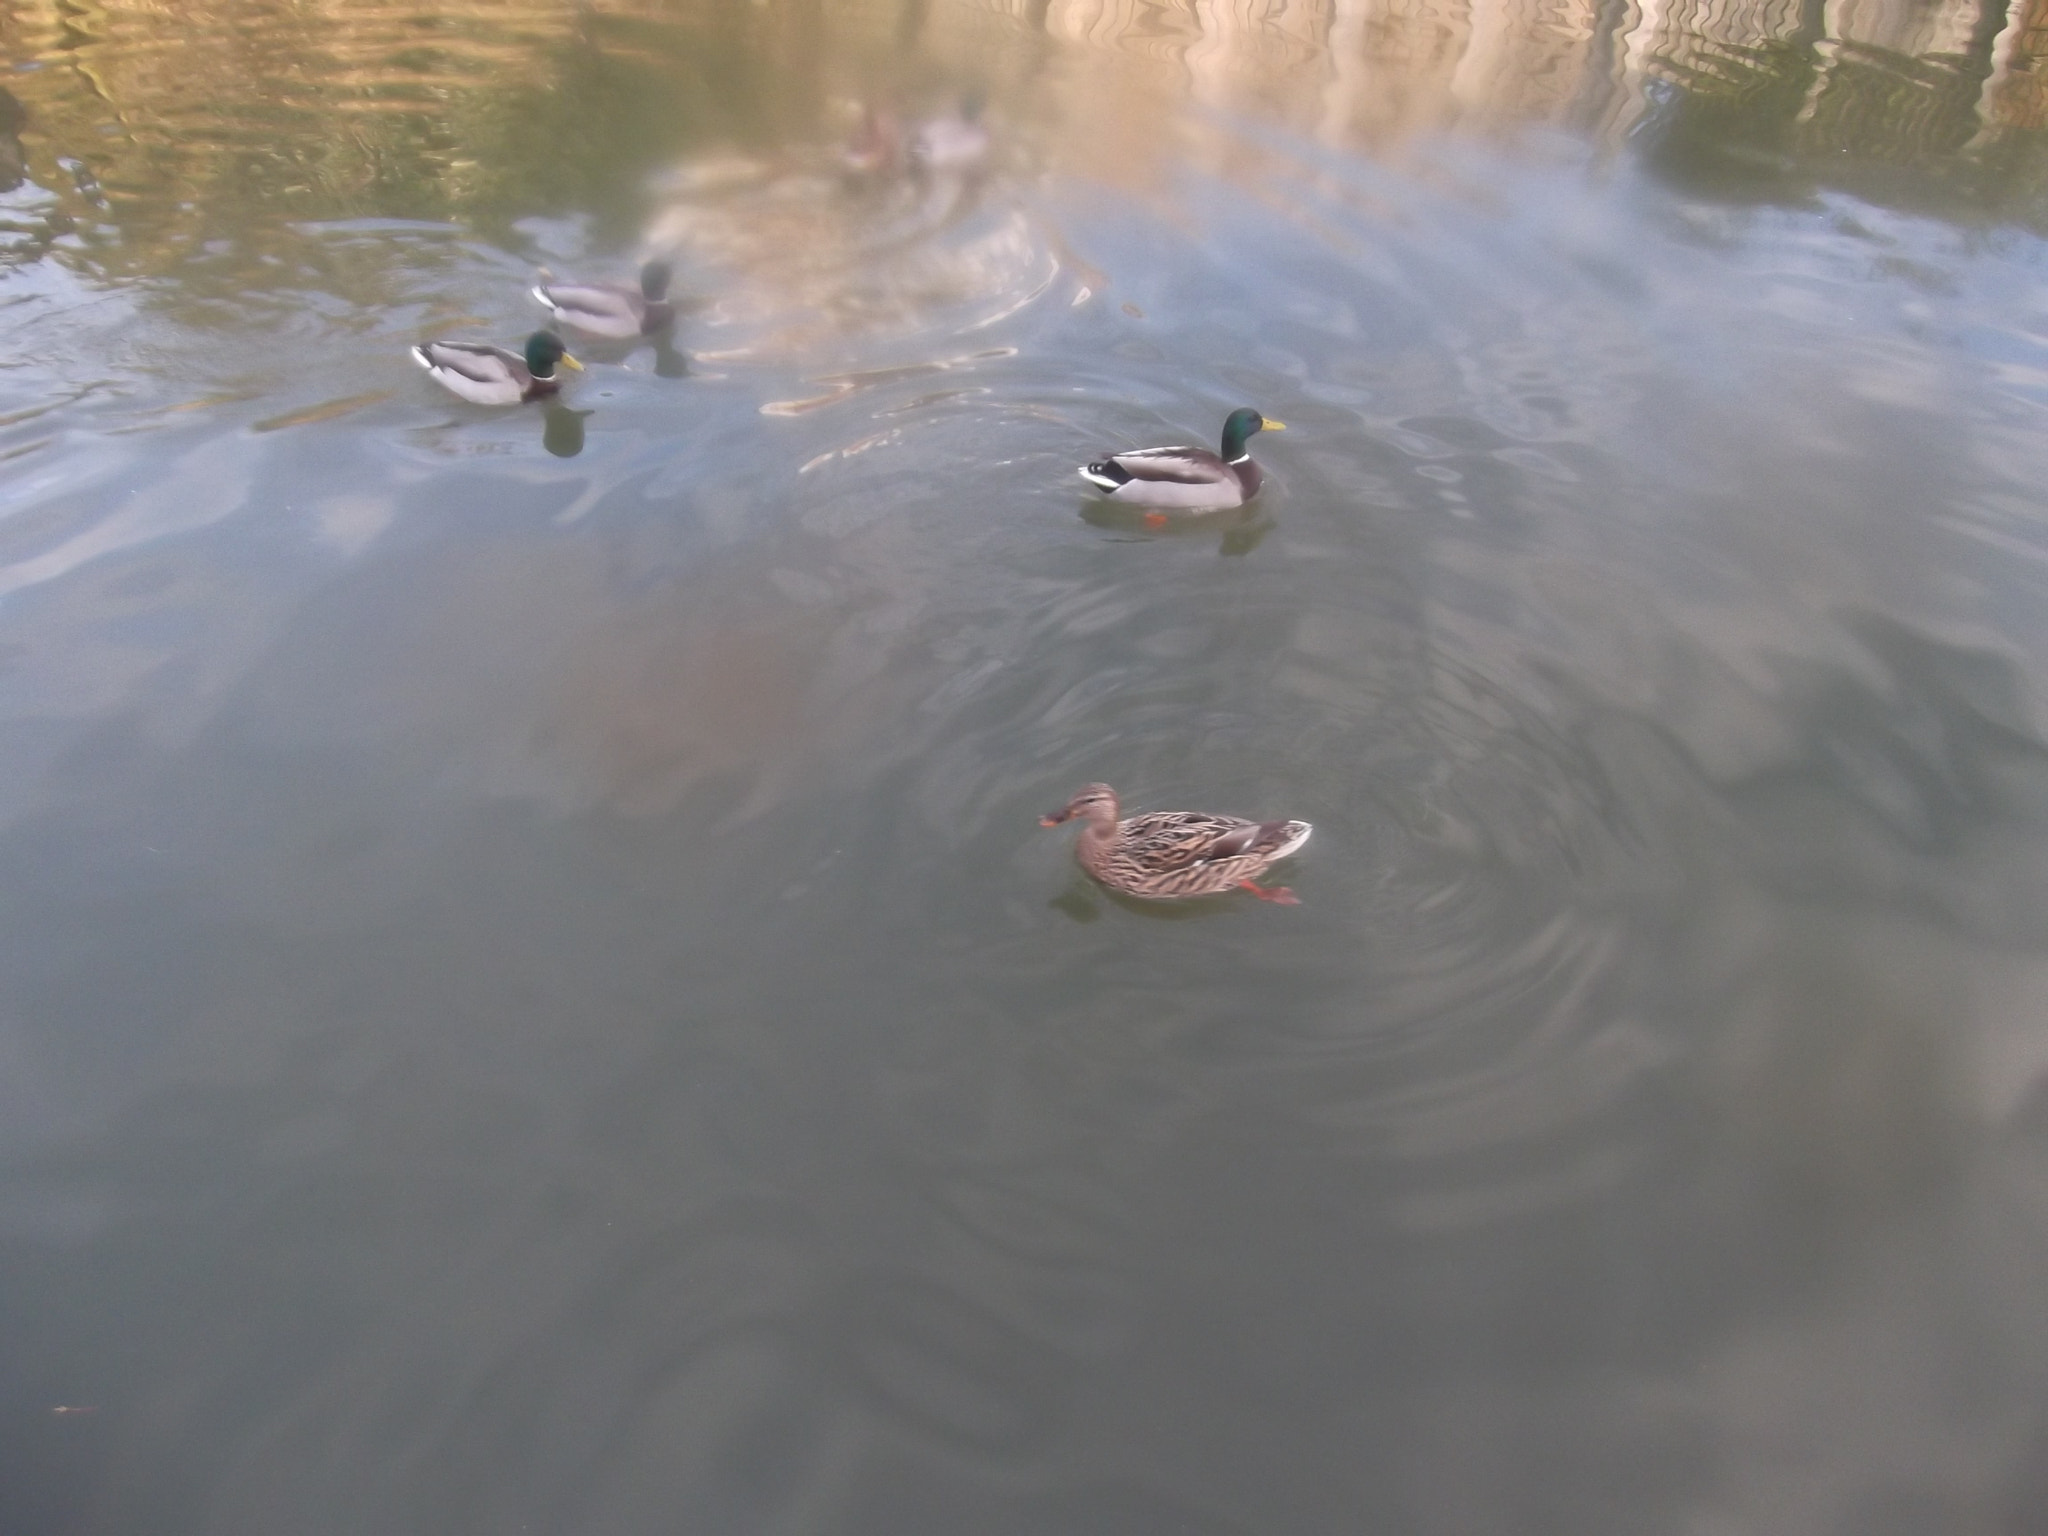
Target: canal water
(533, 997)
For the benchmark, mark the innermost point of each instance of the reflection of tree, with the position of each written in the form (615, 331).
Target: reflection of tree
(1803, 110)
(12, 116)
(231, 114)
(1929, 104)
(239, 114)
(1729, 126)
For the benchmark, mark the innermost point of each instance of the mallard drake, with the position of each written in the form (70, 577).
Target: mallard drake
(1165, 854)
(952, 143)
(491, 375)
(613, 309)
(1188, 479)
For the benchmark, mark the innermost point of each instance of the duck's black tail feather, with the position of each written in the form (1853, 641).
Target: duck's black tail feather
(1106, 474)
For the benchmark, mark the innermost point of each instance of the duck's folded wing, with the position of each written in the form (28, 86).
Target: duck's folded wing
(1177, 839)
(1271, 838)
(1180, 466)
(479, 364)
(583, 298)
(1237, 840)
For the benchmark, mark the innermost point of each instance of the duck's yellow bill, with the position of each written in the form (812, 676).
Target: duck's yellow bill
(1272, 425)
(579, 368)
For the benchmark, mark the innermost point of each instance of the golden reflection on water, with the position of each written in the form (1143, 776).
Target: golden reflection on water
(152, 118)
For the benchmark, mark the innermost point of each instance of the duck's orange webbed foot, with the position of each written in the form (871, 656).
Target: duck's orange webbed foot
(1279, 895)
(1155, 519)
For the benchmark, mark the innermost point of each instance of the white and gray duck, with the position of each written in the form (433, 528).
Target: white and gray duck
(1165, 855)
(1185, 479)
(489, 375)
(953, 143)
(616, 310)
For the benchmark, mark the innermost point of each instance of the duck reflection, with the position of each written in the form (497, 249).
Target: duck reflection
(669, 363)
(561, 430)
(1237, 532)
(1083, 901)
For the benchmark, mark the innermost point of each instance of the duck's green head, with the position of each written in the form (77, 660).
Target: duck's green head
(544, 349)
(1241, 424)
(654, 281)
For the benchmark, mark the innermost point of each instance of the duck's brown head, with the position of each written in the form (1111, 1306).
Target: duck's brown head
(1096, 803)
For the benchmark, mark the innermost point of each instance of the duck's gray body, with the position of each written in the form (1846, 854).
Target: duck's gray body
(482, 373)
(1186, 479)
(1190, 479)
(614, 310)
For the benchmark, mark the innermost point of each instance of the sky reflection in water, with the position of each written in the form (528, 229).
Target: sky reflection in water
(534, 994)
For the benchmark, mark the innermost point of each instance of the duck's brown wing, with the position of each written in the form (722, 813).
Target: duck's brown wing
(1169, 840)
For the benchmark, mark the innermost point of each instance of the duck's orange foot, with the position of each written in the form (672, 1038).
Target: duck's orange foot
(1279, 895)
(1155, 519)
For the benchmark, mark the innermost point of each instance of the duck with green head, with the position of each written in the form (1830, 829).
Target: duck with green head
(488, 375)
(1186, 479)
(613, 309)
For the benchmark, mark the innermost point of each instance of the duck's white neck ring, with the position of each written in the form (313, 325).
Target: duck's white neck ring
(1242, 458)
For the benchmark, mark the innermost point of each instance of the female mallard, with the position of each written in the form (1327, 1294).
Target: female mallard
(1164, 854)
(492, 376)
(1191, 479)
(613, 309)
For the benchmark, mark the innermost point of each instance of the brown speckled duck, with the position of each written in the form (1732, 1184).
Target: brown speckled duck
(1166, 854)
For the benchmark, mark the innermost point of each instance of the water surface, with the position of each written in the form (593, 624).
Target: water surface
(534, 995)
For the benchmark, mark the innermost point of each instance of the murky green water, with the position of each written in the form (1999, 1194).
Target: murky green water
(532, 995)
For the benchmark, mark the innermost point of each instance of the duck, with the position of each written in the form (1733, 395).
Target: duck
(1165, 855)
(876, 147)
(491, 375)
(613, 309)
(1186, 479)
(952, 143)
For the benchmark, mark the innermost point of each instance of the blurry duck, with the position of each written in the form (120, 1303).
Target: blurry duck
(953, 144)
(491, 375)
(613, 309)
(1186, 479)
(1165, 854)
(876, 147)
